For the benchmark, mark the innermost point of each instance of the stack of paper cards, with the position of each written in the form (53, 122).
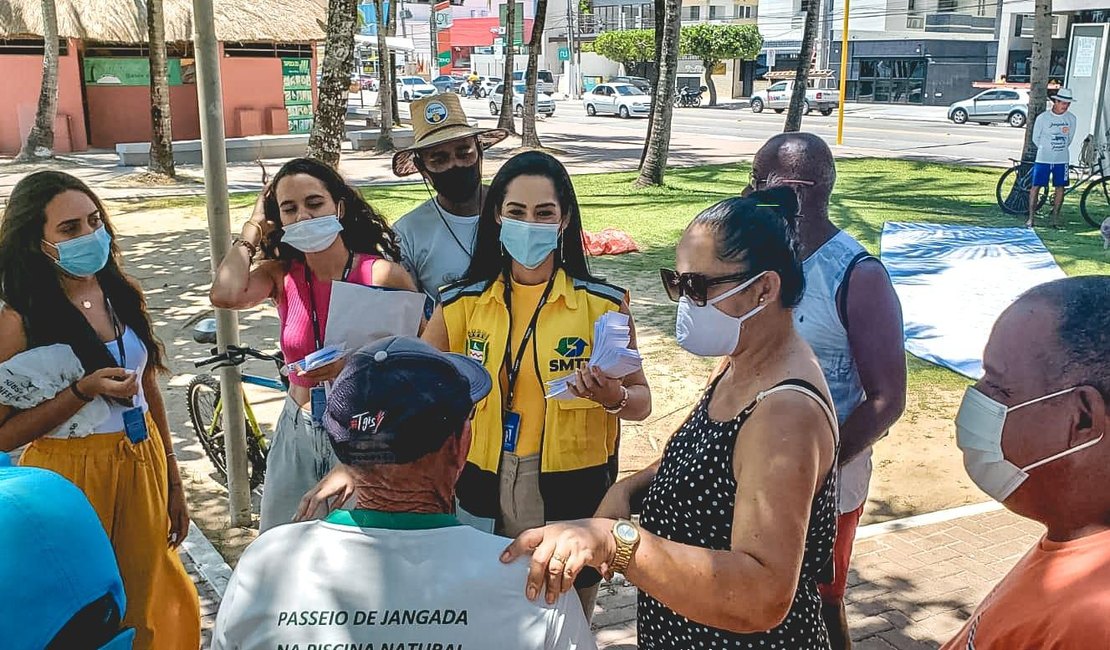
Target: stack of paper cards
(611, 354)
(318, 359)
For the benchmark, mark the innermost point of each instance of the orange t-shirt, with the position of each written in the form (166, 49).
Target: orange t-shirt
(1057, 597)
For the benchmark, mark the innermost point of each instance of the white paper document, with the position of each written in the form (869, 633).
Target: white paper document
(611, 354)
(359, 315)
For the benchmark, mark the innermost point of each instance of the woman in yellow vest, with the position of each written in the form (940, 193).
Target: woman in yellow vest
(527, 310)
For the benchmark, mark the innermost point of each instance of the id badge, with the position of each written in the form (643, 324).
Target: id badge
(134, 425)
(319, 399)
(510, 423)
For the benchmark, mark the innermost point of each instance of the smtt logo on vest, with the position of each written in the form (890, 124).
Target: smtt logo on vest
(572, 349)
(477, 344)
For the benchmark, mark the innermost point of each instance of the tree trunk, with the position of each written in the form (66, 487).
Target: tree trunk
(801, 74)
(659, 135)
(331, 109)
(660, 10)
(391, 30)
(385, 91)
(709, 65)
(1038, 72)
(161, 138)
(529, 136)
(506, 120)
(40, 141)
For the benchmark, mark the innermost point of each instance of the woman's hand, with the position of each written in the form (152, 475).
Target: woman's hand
(258, 222)
(179, 514)
(560, 551)
(324, 373)
(119, 383)
(590, 383)
(329, 494)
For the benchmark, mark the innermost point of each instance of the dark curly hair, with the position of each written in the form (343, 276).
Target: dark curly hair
(364, 230)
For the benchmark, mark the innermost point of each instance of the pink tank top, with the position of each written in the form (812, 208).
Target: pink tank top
(298, 338)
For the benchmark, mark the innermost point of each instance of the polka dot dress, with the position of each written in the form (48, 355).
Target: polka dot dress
(691, 501)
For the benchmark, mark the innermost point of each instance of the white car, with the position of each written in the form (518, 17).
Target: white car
(621, 99)
(545, 105)
(410, 88)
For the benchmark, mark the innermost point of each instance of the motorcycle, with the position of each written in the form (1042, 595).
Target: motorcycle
(688, 98)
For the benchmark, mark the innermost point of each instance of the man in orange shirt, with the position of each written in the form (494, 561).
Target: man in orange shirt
(1032, 434)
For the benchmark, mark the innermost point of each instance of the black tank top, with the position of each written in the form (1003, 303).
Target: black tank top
(691, 501)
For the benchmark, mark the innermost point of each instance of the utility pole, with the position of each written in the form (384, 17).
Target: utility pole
(433, 47)
(572, 71)
(843, 76)
(214, 157)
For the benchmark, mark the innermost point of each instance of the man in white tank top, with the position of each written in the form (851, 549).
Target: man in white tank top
(852, 319)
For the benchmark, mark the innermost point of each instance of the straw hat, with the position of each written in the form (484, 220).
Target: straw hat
(438, 119)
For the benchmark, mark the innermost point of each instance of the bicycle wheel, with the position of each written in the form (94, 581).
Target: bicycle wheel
(203, 394)
(1012, 191)
(1095, 203)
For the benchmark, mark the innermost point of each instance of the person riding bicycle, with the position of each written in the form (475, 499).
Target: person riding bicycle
(1053, 133)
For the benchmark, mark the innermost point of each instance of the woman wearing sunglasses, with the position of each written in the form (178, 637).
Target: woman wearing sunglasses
(742, 505)
(527, 310)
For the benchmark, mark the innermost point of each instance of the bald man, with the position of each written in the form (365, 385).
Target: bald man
(852, 319)
(1033, 433)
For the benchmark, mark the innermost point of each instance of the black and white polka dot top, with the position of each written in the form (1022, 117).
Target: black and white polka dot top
(691, 501)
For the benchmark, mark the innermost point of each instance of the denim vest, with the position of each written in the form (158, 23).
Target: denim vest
(818, 321)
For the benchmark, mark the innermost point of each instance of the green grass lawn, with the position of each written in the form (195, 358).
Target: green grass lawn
(869, 192)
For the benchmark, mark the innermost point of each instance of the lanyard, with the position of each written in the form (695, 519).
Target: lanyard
(312, 297)
(513, 371)
(117, 329)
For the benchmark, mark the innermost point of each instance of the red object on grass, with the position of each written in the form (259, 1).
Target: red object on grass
(609, 241)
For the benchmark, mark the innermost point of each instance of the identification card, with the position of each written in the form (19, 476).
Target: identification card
(510, 423)
(319, 396)
(134, 425)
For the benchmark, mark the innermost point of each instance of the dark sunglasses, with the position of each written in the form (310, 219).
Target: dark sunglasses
(694, 286)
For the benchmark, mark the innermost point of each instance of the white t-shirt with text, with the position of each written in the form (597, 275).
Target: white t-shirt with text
(1053, 135)
(325, 585)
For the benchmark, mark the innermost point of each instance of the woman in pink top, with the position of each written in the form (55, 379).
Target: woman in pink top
(313, 229)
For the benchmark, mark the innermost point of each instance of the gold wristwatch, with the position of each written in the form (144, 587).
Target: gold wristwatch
(627, 536)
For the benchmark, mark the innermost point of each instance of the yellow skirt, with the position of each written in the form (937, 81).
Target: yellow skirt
(127, 487)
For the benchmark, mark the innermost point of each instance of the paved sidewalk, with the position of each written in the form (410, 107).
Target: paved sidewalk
(910, 589)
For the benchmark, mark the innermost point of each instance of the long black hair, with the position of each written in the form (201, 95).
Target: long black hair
(29, 281)
(364, 230)
(489, 259)
(760, 230)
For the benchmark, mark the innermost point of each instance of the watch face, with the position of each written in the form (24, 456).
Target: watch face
(626, 532)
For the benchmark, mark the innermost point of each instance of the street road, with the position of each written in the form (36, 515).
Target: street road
(899, 134)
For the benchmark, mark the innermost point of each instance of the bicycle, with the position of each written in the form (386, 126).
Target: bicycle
(205, 405)
(1012, 191)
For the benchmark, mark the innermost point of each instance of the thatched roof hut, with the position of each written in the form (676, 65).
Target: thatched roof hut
(124, 21)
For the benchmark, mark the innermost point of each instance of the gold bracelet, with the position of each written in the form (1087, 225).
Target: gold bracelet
(255, 224)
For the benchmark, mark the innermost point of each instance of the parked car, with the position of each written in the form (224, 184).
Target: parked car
(445, 83)
(823, 96)
(410, 88)
(621, 99)
(639, 82)
(545, 82)
(545, 105)
(1010, 105)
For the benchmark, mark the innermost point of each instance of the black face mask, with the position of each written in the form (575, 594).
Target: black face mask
(457, 184)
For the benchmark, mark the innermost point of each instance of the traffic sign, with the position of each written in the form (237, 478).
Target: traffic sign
(443, 59)
(444, 19)
(564, 54)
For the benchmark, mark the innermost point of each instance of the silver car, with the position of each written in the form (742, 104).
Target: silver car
(1010, 105)
(621, 99)
(545, 105)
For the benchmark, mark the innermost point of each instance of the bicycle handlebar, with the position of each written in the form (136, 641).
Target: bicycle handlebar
(237, 356)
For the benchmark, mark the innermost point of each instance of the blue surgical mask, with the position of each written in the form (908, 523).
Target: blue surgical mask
(85, 255)
(312, 235)
(529, 243)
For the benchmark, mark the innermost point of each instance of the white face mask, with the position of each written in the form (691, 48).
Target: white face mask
(707, 331)
(312, 235)
(979, 427)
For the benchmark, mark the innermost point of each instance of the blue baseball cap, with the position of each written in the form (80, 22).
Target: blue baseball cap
(59, 581)
(399, 399)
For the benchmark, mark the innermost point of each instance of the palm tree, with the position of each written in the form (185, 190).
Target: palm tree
(660, 10)
(659, 135)
(801, 74)
(40, 141)
(506, 120)
(335, 81)
(385, 89)
(161, 138)
(529, 137)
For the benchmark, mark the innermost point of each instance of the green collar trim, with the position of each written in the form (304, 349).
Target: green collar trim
(392, 520)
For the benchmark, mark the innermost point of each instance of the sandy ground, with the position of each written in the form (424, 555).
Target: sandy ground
(917, 468)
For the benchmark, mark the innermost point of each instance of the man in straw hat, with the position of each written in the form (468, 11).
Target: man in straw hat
(1053, 133)
(438, 236)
